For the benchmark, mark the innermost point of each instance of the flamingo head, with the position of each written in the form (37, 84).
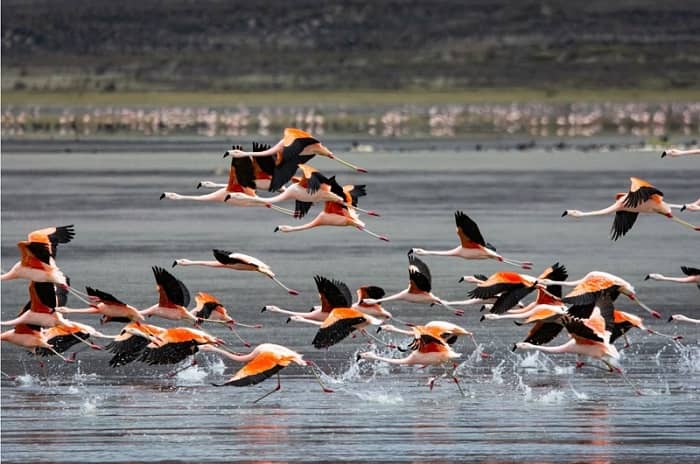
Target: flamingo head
(572, 212)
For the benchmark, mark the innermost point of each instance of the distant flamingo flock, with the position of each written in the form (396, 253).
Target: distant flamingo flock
(587, 313)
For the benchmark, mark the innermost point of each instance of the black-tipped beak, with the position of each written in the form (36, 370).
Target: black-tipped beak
(564, 213)
(289, 320)
(663, 155)
(379, 329)
(482, 308)
(358, 357)
(683, 208)
(227, 198)
(461, 279)
(225, 154)
(277, 229)
(517, 323)
(162, 195)
(670, 318)
(481, 319)
(263, 309)
(199, 186)
(647, 277)
(174, 263)
(515, 347)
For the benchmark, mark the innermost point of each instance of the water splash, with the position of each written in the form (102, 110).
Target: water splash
(89, 407)
(195, 375)
(27, 380)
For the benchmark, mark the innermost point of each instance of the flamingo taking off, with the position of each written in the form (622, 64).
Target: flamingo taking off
(419, 287)
(31, 338)
(37, 256)
(173, 298)
(448, 331)
(263, 362)
(641, 198)
(429, 349)
(472, 244)
(176, 344)
(332, 293)
(296, 147)
(675, 153)
(131, 341)
(339, 324)
(507, 287)
(110, 307)
(41, 308)
(238, 262)
(692, 276)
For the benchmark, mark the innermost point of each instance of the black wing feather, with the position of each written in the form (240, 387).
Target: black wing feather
(40, 251)
(266, 163)
(245, 176)
(286, 169)
(46, 291)
(356, 192)
(254, 379)
(375, 292)
(207, 309)
(543, 332)
(223, 257)
(690, 271)
(301, 208)
(623, 222)
(638, 197)
(171, 353)
(315, 181)
(469, 228)
(103, 296)
(491, 291)
(329, 336)
(126, 351)
(558, 273)
(419, 273)
(509, 299)
(577, 327)
(336, 292)
(174, 288)
(61, 343)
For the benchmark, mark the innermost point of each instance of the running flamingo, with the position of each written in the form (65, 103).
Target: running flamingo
(641, 198)
(692, 276)
(428, 349)
(37, 256)
(296, 147)
(340, 323)
(31, 338)
(173, 298)
(472, 244)
(41, 308)
(131, 341)
(332, 293)
(263, 362)
(238, 262)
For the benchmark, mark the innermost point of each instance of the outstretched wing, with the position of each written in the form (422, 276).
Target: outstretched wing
(53, 236)
(333, 293)
(467, 231)
(172, 290)
(104, 296)
(419, 274)
(640, 191)
(623, 222)
(690, 271)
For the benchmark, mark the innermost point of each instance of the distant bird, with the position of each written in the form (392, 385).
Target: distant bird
(692, 276)
(587, 288)
(37, 256)
(173, 298)
(296, 147)
(263, 362)
(237, 262)
(31, 338)
(472, 244)
(332, 293)
(641, 198)
(419, 287)
(131, 341)
(429, 349)
(337, 215)
(682, 318)
(674, 152)
(110, 307)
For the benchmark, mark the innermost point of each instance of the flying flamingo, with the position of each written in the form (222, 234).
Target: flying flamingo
(296, 147)
(335, 214)
(371, 292)
(37, 256)
(239, 191)
(692, 276)
(674, 152)
(176, 344)
(682, 318)
(419, 286)
(41, 308)
(31, 338)
(587, 288)
(131, 341)
(694, 206)
(332, 293)
(263, 362)
(173, 298)
(210, 309)
(429, 349)
(111, 308)
(238, 262)
(62, 337)
(340, 323)
(472, 244)
(449, 332)
(641, 198)
(507, 287)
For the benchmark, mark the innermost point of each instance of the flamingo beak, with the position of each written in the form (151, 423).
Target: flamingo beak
(647, 277)
(663, 154)
(162, 195)
(277, 229)
(174, 263)
(199, 185)
(227, 198)
(263, 309)
(564, 213)
(225, 154)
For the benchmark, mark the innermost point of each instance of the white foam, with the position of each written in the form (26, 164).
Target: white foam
(26, 380)
(497, 374)
(191, 376)
(379, 397)
(89, 406)
(552, 397)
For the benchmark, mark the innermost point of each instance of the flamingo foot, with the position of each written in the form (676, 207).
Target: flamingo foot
(656, 314)
(580, 364)
(292, 292)
(485, 355)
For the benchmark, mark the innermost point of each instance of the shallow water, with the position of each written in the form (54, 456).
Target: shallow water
(518, 406)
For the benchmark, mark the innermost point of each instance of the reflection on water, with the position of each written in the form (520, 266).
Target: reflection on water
(523, 407)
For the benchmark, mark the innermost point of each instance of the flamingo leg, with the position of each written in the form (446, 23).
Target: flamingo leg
(177, 371)
(377, 339)
(94, 346)
(291, 291)
(624, 377)
(312, 365)
(277, 388)
(456, 381)
(383, 238)
(350, 165)
(684, 223)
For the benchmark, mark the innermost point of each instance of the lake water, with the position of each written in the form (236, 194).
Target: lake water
(519, 407)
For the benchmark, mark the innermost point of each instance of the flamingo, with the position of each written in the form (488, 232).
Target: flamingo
(173, 298)
(587, 288)
(694, 206)
(674, 152)
(31, 338)
(335, 214)
(263, 362)
(239, 191)
(37, 256)
(507, 287)
(419, 286)
(296, 147)
(429, 349)
(106, 304)
(131, 341)
(340, 323)
(238, 262)
(332, 293)
(448, 331)
(692, 276)
(41, 308)
(176, 344)
(641, 198)
(371, 292)
(62, 337)
(472, 244)
(682, 318)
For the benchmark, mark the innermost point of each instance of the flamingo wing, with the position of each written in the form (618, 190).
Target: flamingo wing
(104, 297)
(53, 236)
(265, 163)
(172, 291)
(555, 272)
(372, 291)
(61, 341)
(338, 325)
(38, 250)
(509, 298)
(419, 274)
(169, 353)
(301, 208)
(543, 332)
(623, 222)
(126, 349)
(244, 172)
(640, 191)
(333, 293)
(355, 192)
(690, 271)
(468, 232)
(42, 296)
(262, 367)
